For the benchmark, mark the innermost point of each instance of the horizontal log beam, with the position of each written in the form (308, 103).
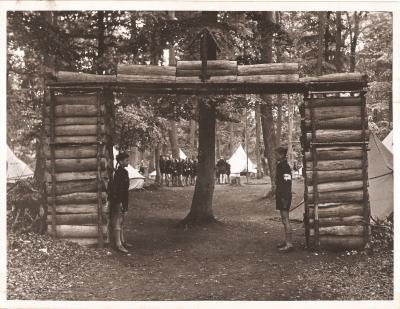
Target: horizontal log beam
(348, 123)
(74, 219)
(288, 78)
(74, 152)
(211, 72)
(64, 121)
(211, 64)
(331, 136)
(338, 196)
(66, 77)
(77, 198)
(339, 210)
(75, 99)
(331, 165)
(210, 80)
(336, 186)
(332, 112)
(146, 79)
(76, 130)
(339, 221)
(336, 101)
(337, 77)
(85, 242)
(268, 69)
(75, 110)
(341, 242)
(72, 176)
(76, 231)
(76, 165)
(140, 69)
(334, 176)
(336, 154)
(67, 187)
(79, 208)
(342, 230)
(74, 140)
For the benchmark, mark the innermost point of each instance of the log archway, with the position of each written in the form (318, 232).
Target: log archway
(334, 140)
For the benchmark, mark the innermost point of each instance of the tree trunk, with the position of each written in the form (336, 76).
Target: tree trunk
(267, 119)
(338, 55)
(321, 27)
(353, 42)
(100, 42)
(290, 130)
(157, 162)
(279, 120)
(258, 140)
(201, 210)
(172, 123)
(231, 139)
(326, 36)
(217, 146)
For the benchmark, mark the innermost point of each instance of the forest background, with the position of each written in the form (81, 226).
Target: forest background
(97, 41)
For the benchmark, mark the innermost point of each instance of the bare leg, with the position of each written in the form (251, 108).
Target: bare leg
(287, 227)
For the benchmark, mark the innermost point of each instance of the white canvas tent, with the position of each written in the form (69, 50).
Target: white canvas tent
(380, 178)
(239, 160)
(136, 180)
(388, 141)
(181, 156)
(16, 168)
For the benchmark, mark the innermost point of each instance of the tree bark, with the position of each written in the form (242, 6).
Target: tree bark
(201, 209)
(267, 120)
(290, 130)
(353, 41)
(258, 140)
(279, 120)
(338, 55)
(157, 162)
(101, 47)
(321, 29)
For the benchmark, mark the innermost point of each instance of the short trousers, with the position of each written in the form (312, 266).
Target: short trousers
(283, 203)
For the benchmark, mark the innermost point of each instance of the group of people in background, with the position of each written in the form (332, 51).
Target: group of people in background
(177, 172)
(223, 171)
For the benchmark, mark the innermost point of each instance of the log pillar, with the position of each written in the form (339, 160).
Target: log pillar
(335, 168)
(79, 162)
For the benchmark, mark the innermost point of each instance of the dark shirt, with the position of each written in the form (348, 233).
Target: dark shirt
(228, 168)
(120, 187)
(162, 165)
(283, 179)
(221, 166)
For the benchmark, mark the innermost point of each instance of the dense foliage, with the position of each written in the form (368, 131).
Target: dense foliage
(96, 41)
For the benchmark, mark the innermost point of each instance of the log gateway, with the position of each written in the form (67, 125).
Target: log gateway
(80, 121)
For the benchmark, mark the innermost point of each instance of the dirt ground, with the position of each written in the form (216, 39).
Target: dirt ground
(236, 260)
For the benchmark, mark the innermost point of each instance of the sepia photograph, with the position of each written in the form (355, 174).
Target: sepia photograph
(199, 155)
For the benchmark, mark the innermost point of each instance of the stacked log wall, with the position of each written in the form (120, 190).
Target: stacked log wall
(78, 164)
(334, 141)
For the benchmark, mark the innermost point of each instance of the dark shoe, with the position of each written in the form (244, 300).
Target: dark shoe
(281, 244)
(122, 249)
(286, 249)
(127, 245)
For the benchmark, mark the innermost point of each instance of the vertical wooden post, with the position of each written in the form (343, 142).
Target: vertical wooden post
(366, 205)
(99, 179)
(53, 171)
(306, 205)
(315, 173)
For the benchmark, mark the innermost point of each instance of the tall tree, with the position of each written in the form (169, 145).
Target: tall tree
(267, 119)
(321, 46)
(201, 211)
(338, 42)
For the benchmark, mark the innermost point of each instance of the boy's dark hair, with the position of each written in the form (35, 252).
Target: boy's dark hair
(281, 150)
(121, 156)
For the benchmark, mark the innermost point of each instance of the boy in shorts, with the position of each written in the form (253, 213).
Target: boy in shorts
(284, 196)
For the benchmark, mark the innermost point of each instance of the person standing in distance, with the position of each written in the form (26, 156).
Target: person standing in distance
(119, 195)
(284, 196)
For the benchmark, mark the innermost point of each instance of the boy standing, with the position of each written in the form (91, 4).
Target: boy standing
(284, 196)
